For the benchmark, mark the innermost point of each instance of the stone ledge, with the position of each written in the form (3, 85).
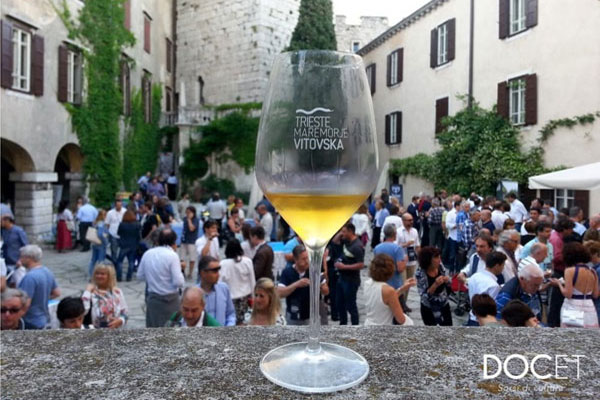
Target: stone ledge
(416, 363)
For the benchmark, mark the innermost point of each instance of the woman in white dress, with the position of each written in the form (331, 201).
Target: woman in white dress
(237, 272)
(381, 299)
(361, 222)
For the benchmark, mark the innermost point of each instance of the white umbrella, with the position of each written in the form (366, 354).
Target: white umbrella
(584, 177)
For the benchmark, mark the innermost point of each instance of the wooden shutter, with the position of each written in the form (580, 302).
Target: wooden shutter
(451, 38)
(531, 99)
(400, 70)
(502, 104)
(127, 88)
(168, 101)
(441, 111)
(127, 9)
(78, 79)
(63, 73)
(582, 199)
(434, 48)
(399, 127)
(387, 129)
(504, 16)
(373, 73)
(531, 10)
(146, 34)
(7, 55)
(37, 65)
(389, 70)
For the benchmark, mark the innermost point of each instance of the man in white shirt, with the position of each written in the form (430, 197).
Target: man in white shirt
(112, 221)
(483, 246)
(508, 242)
(452, 244)
(208, 244)
(485, 281)
(161, 269)
(498, 215)
(518, 212)
(408, 239)
(266, 221)
(393, 219)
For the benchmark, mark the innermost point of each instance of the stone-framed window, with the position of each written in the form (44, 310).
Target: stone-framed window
(443, 43)
(393, 128)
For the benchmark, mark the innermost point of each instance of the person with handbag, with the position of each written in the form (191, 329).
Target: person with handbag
(580, 287)
(96, 234)
(64, 226)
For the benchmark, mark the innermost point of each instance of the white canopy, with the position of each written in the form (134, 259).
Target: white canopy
(584, 177)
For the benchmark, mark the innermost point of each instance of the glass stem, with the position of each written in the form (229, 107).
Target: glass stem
(316, 261)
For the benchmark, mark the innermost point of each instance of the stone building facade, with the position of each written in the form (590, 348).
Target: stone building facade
(430, 54)
(351, 37)
(41, 71)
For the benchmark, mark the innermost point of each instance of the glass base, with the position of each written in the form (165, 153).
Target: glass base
(332, 368)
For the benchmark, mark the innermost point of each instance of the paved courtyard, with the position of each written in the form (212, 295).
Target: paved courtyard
(70, 270)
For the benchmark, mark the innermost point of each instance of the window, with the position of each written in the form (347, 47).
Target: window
(70, 74)
(443, 43)
(355, 46)
(564, 198)
(21, 68)
(393, 128)
(441, 111)
(125, 83)
(516, 16)
(74, 76)
(200, 90)
(147, 96)
(394, 64)
(371, 71)
(168, 99)
(442, 53)
(147, 26)
(169, 59)
(517, 100)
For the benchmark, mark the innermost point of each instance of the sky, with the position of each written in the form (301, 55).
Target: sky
(395, 10)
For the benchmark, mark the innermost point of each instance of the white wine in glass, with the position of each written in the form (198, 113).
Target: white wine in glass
(316, 161)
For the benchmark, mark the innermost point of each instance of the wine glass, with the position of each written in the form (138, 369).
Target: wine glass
(316, 161)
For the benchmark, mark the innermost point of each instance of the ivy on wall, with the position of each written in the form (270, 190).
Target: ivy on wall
(232, 137)
(548, 130)
(100, 28)
(478, 148)
(142, 139)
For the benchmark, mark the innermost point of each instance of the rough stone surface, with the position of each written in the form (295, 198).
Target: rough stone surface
(427, 363)
(368, 29)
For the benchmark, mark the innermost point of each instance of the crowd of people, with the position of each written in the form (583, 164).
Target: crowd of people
(515, 266)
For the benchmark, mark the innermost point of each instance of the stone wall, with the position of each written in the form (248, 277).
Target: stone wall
(368, 29)
(231, 45)
(223, 363)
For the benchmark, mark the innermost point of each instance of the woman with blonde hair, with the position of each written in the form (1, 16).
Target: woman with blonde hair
(106, 300)
(266, 308)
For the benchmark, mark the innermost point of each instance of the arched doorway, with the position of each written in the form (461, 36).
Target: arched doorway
(14, 159)
(68, 166)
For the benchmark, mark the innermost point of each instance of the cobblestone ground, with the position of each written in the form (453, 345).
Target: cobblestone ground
(70, 270)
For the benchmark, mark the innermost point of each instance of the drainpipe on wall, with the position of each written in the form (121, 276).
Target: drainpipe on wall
(471, 35)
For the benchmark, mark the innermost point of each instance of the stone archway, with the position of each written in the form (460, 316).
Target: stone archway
(14, 159)
(68, 167)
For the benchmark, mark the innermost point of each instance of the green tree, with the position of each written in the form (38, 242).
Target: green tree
(314, 29)
(478, 149)
(100, 28)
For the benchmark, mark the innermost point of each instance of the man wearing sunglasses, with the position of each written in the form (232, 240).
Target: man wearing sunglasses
(216, 294)
(15, 304)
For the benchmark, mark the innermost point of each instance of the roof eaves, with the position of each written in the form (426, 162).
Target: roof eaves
(379, 40)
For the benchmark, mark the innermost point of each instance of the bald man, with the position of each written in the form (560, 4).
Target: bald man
(191, 312)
